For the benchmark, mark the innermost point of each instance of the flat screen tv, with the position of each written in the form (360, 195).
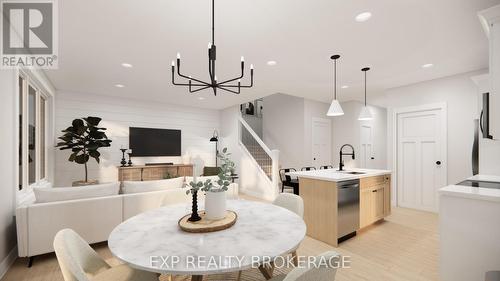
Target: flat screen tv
(154, 142)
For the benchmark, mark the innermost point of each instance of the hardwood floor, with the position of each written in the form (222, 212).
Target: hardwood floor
(403, 247)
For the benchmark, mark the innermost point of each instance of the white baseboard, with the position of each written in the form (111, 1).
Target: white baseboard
(8, 261)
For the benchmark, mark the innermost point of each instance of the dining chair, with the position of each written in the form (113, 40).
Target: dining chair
(325, 167)
(289, 181)
(320, 270)
(308, 168)
(292, 203)
(79, 262)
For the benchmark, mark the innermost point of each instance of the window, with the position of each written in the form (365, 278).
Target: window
(32, 147)
(32, 133)
(20, 128)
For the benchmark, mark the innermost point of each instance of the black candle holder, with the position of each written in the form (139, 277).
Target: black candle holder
(194, 215)
(129, 159)
(124, 162)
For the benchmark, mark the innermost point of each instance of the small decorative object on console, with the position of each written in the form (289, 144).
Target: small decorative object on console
(124, 161)
(129, 158)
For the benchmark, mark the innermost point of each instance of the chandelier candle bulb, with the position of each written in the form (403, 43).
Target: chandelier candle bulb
(178, 56)
(242, 59)
(251, 66)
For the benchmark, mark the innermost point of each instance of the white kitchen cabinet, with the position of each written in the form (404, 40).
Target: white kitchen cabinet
(490, 19)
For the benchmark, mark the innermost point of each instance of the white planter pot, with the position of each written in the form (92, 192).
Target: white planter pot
(215, 205)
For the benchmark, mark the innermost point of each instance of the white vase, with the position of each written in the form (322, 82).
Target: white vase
(215, 205)
(186, 159)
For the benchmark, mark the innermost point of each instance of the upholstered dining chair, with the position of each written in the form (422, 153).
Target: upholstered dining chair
(79, 262)
(321, 271)
(293, 203)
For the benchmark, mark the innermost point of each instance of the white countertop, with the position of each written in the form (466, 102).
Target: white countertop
(336, 176)
(490, 194)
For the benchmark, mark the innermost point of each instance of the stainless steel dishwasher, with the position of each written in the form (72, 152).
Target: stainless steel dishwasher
(348, 209)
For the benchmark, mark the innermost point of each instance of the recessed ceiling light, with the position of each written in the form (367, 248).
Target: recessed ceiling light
(345, 87)
(271, 63)
(427, 65)
(201, 98)
(363, 17)
(127, 65)
(120, 86)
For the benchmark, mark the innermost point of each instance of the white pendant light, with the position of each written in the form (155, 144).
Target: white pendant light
(335, 108)
(365, 114)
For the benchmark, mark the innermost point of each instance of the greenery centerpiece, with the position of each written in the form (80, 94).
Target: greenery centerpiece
(84, 138)
(215, 202)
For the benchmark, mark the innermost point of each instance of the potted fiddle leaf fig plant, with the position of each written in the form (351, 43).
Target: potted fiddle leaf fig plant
(84, 137)
(215, 200)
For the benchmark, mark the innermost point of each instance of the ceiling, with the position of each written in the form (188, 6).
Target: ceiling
(97, 36)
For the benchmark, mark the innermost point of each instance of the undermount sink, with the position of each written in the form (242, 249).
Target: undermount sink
(352, 173)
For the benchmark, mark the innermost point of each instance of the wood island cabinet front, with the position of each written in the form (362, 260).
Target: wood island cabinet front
(374, 199)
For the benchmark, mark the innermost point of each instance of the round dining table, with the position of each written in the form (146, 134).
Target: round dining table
(153, 241)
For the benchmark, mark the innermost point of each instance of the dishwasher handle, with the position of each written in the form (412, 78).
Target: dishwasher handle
(348, 186)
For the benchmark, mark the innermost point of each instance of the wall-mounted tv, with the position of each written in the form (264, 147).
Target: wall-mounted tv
(154, 142)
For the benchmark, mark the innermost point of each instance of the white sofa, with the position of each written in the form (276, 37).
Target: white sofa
(92, 218)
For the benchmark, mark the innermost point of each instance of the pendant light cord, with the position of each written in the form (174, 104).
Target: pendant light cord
(365, 88)
(335, 79)
(213, 22)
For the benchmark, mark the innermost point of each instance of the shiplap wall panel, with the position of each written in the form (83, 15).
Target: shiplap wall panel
(118, 115)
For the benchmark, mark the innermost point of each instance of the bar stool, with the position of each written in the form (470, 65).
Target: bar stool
(308, 168)
(288, 181)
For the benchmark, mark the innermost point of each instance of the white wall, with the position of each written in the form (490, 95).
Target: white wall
(118, 115)
(255, 123)
(460, 95)
(283, 128)
(7, 169)
(347, 130)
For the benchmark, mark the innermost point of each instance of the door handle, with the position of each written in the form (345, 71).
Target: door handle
(375, 190)
(438, 162)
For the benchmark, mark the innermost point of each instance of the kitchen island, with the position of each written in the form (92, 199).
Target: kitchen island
(338, 203)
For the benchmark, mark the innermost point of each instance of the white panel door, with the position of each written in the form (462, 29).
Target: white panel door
(366, 156)
(321, 142)
(421, 155)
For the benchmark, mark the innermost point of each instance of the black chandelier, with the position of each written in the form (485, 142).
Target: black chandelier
(196, 85)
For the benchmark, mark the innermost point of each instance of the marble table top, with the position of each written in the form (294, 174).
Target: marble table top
(154, 242)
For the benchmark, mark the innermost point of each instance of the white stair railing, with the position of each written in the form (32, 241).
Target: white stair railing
(266, 159)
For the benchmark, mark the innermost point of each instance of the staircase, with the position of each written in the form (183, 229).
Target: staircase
(264, 158)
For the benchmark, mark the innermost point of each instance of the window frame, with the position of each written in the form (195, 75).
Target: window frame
(41, 94)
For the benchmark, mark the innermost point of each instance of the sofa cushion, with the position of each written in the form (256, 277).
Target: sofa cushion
(202, 179)
(147, 186)
(45, 195)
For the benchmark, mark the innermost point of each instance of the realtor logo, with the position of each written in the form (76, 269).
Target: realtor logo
(29, 34)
